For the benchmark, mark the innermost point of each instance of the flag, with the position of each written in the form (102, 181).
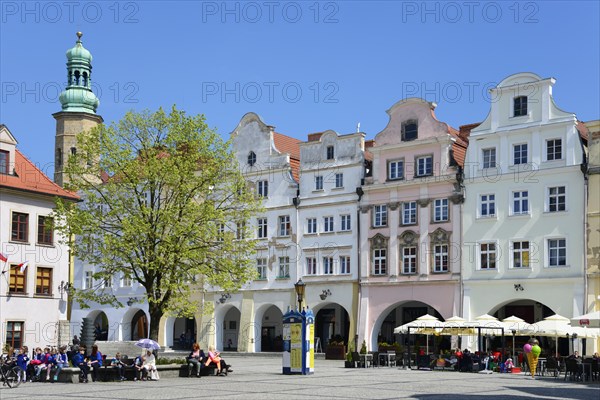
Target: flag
(3, 257)
(23, 266)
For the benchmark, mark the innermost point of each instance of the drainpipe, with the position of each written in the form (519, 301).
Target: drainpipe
(360, 193)
(584, 169)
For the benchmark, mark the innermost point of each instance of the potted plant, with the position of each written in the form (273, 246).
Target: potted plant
(336, 350)
(349, 363)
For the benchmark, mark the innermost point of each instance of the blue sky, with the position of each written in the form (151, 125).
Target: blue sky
(303, 66)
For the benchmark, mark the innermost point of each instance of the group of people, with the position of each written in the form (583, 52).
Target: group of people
(43, 365)
(197, 360)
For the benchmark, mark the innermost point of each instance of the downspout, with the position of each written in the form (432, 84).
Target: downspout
(585, 171)
(360, 193)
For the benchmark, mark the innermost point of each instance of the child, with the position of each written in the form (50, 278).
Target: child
(44, 364)
(508, 365)
(60, 362)
(22, 361)
(95, 362)
(80, 360)
(119, 365)
(138, 366)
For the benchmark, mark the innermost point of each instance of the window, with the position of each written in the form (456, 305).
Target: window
(126, 281)
(339, 180)
(487, 255)
(330, 153)
(4, 163)
(440, 258)
(520, 252)
(318, 183)
(263, 188)
(14, 334)
(380, 215)
(284, 225)
(73, 151)
(409, 213)
(327, 224)
(379, 261)
(45, 230)
(346, 223)
(557, 252)
(487, 205)
(261, 268)
(59, 157)
(489, 158)
(520, 154)
(557, 199)
(20, 227)
(409, 130)
(554, 149)
(311, 225)
(521, 202)
(424, 166)
(284, 267)
(328, 265)
(240, 230)
(520, 106)
(220, 232)
(440, 210)
(344, 264)
(311, 266)
(43, 282)
(396, 170)
(88, 280)
(108, 282)
(251, 158)
(18, 280)
(262, 228)
(409, 260)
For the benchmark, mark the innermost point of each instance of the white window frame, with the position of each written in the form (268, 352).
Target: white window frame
(88, 279)
(284, 267)
(547, 153)
(489, 201)
(557, 197)
(319, 182)
(329, 156)
(339, 180)
(422, 162)
(311, 266)
(284, 226)
(411, 259)
(380, 215)
(311, 226)
(441, 250)
(395, 170)
(126, 281)
(517, 250)
(489, 162)
(262, 228)
(328, 266)
(409, 209)
(344, 265)
(261, 269)
(441, 207)
(520, 200)
(488, 253)
(328, 225)
(523, 148)
(345, 222)
(263, 188)
(379, 261)
(550, 249)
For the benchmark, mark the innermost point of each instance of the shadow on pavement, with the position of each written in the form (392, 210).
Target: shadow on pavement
(584, 393)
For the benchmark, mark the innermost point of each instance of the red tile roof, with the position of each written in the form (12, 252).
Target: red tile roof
(291, 146)
(29, 178)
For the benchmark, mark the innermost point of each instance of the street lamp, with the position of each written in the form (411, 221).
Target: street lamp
(514, 331)
(65, 287)
(300, 287)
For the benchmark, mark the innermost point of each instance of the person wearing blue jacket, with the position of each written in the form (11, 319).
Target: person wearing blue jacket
(95, 362)
(60, 362)
(80, 360)
(22, 361)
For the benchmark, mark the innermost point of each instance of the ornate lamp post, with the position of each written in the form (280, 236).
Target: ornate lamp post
(300, 287)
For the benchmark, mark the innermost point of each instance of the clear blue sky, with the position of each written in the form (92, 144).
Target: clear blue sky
(303, 66)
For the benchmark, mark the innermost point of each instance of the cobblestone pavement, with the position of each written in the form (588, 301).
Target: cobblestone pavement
(261, 378)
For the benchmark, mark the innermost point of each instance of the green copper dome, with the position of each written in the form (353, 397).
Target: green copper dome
(78, 95)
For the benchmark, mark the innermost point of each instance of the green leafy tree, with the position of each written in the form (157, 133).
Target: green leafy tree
(165, 204)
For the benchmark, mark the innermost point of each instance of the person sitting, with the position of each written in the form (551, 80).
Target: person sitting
(149, 366)
(45, 365)
(215, 357)
(80, 360)
(119, 365)
(508, 365)
(195, 359)
(138, 368)
(60, 361)
(95, 362)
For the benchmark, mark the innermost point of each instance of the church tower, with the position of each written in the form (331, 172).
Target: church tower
(79, 106)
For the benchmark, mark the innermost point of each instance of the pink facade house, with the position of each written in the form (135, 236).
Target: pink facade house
(410, 223)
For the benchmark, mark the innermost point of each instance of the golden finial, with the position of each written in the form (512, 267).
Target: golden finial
(79, 35)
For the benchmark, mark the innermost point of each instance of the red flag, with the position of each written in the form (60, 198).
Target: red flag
(3, 257)
(23, 266)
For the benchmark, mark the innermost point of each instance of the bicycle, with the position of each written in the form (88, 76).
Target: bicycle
(10, 374)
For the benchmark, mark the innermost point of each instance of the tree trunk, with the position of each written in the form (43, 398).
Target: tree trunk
(156, 314)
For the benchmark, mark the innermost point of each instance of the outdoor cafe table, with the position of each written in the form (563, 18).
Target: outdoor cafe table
(390, 356)
(366, 357)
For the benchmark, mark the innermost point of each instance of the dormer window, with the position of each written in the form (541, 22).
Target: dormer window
(251, 158)
(409, 130)
(330, 153)
(520, 106)
(4, 162)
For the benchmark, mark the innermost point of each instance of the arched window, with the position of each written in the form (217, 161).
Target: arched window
(73, 151)
(85, 79)
(251, 158)
(76, 77)
(409, 130)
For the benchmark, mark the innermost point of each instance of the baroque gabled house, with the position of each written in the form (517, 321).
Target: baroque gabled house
(523, 220)
(410, 223)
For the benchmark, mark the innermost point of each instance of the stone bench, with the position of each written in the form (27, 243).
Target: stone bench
(71, 374)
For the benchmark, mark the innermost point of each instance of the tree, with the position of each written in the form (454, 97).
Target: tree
(163, 196)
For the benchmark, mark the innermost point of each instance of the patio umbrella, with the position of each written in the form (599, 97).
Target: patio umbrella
(147, 344)
(521, 327)
(424, 325)
(553, 326)
(455, 326)
(591, 320)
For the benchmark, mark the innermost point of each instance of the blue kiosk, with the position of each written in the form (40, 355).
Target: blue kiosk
(298, 338)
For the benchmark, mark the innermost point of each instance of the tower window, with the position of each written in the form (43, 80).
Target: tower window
(73, 151)
(59, 158)
(85, 79)
(76, 77)
(251, 158)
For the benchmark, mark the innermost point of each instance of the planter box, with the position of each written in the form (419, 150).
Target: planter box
(349, 364)
(335, 353)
